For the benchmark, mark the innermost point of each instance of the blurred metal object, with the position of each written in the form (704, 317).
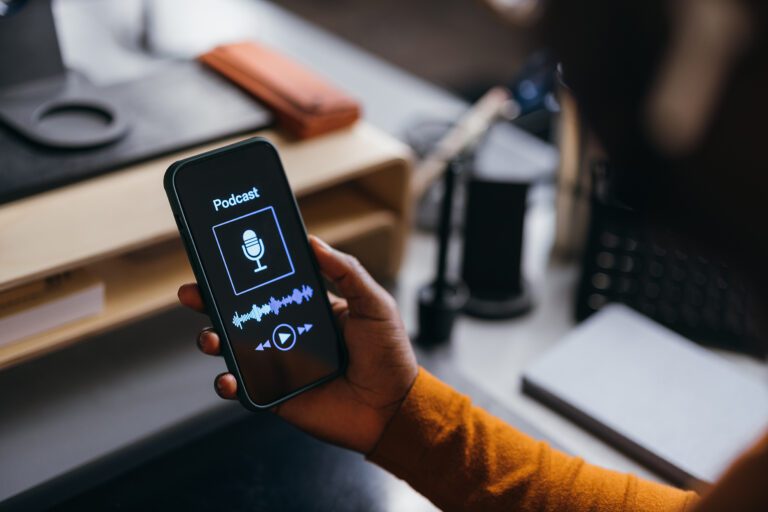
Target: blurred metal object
(8, 7)
(40, 98)
(29, 48)
(708, 38)
(518, 12)
(463, 135)
(441, 300)
(577, 147)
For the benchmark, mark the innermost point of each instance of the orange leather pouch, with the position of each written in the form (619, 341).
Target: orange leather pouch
(304, 104)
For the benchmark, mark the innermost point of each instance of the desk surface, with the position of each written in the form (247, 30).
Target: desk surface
(54, 427)
(494, 354)
(99, 398)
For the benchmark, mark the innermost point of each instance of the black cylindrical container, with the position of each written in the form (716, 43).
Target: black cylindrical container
(493, 242)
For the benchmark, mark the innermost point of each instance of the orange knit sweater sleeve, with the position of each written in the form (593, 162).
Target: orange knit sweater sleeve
(462, 458)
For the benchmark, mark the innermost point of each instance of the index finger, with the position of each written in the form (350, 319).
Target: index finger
(365, 297)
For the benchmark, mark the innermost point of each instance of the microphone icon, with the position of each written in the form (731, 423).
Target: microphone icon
(253, 248)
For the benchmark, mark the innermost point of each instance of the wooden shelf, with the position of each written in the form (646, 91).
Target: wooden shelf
(144, 282)
(344, 213)
(123, 211)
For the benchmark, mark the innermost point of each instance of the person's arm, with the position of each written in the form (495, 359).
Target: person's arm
(462, 458)
(420, 429)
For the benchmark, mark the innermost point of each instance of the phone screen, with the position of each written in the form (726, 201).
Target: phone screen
(243, 225)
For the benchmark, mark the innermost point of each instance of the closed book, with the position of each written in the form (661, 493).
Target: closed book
(680, 409)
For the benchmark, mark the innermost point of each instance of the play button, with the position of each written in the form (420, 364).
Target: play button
(284, 337)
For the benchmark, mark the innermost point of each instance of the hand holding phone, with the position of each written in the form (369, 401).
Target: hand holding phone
(351, 411)
(246, 246)
(259, 281)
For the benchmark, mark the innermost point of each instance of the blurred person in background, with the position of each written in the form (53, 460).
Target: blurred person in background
(675, 91)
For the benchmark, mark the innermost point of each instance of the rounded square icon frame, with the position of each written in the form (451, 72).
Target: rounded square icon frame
(282, 239)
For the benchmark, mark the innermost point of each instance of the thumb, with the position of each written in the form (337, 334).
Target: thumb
(366, 298)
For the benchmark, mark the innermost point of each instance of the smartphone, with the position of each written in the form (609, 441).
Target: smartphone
(261, 285)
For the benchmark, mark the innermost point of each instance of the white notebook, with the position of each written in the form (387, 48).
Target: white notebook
(679, 408)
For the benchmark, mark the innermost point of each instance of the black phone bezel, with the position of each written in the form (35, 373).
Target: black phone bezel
(169, 182)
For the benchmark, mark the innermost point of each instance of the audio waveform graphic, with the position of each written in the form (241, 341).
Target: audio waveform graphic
(273, 306)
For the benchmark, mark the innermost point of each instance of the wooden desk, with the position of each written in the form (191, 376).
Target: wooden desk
(115, 400)
(351, 186)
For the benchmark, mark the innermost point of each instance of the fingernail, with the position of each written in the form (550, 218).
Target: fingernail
(200, 336)
(324, 246)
